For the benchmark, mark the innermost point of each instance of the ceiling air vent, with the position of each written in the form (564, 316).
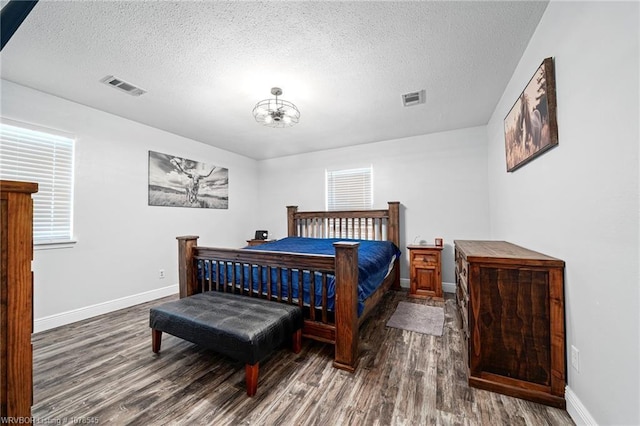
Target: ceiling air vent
(123, 85)
(413, 98)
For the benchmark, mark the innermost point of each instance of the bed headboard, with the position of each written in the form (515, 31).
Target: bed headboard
(360, 224)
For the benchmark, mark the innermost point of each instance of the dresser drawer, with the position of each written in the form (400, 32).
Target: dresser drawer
(464, 276)
(465, 352)
(465, 320)
(463, 310)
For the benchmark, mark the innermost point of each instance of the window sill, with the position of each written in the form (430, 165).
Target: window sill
(54, 244)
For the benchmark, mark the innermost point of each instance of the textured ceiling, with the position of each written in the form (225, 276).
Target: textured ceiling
(344, 64)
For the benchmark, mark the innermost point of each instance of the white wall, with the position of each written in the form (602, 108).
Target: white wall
(579, 201)
(439, 179)
(122, 243)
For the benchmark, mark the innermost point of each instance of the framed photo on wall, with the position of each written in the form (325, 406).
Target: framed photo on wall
(180, 182)
(531, 127)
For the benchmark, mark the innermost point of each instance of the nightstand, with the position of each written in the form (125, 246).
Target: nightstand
(255, 242)
(425, 271)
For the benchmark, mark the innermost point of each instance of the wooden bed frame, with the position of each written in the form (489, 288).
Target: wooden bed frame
(338, 327)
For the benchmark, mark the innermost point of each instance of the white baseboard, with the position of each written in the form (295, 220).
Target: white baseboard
(578, 412)
(446, 287)
(64, 318)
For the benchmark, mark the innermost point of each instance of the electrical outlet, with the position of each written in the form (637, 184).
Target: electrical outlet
(161, 274)
(575, 358)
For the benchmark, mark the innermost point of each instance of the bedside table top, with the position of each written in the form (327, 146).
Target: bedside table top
(424, 246)
(253, 242)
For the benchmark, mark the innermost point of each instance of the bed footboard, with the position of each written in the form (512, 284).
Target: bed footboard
(270, 275)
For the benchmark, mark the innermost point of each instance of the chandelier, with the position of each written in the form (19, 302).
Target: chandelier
(275, 112)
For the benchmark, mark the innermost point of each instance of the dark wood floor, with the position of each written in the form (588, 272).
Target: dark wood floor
(102, 370)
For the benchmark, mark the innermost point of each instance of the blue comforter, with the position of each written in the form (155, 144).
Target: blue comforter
(375, 258)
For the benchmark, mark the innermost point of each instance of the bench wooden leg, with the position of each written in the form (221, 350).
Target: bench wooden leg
(251, 378)
(297, 341)
(156, 340)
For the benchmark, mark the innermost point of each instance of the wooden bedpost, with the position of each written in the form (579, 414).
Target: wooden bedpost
(346, 306)
(291, 221)
(394, 236)
(394, 223)
(186, 267)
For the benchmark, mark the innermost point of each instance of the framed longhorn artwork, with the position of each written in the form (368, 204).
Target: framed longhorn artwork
(531, 127)
(179, 182)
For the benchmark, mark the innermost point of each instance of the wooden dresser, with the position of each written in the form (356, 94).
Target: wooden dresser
(511, 303)
(425, 274)
(16, 298)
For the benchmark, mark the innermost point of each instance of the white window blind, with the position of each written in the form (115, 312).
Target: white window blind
(350, 189)
(33, 155)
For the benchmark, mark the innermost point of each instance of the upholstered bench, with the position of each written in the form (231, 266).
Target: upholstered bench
(241, 327)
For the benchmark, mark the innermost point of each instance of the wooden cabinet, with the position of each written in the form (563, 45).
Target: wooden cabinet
(425, 263)
(16, 298)
(511, 302)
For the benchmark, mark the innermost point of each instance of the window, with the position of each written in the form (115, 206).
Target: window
(28, 153)
(350, 189)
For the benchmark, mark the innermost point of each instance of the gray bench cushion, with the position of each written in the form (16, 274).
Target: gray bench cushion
(241, 327)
